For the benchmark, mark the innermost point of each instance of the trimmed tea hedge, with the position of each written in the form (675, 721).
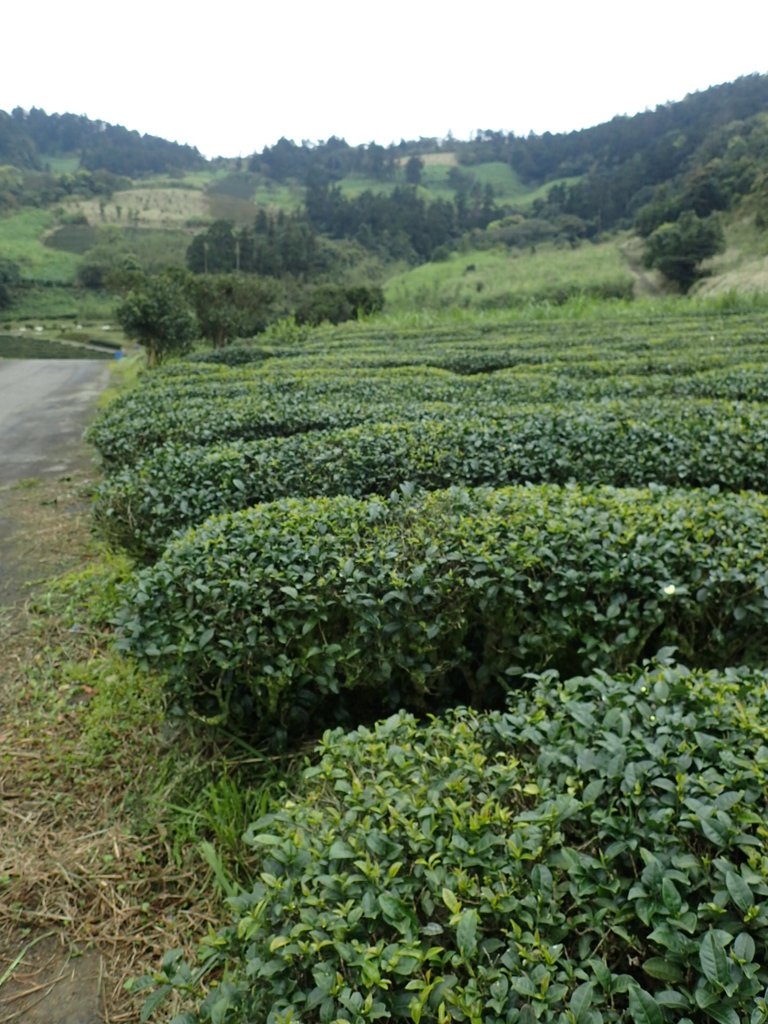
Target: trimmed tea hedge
(297, 613)
(193, 409)
(595, 855)
(699, 444)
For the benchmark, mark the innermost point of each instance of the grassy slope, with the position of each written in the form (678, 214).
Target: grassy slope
(21, 237)
(743, 267)
(493, 277)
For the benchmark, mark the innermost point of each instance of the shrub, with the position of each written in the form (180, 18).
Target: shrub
(157, 315)
(678, 249)
(594, 855)
(700, 444)
(302, 613)
(194, 406)
(335, 303)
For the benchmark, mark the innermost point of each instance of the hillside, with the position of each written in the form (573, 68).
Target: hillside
(81, 201)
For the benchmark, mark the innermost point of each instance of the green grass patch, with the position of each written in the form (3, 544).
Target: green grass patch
(526, 198)
(31, 347)
(36, 304)
(67, 163)
(76, 238)
(498, 278)
(157, 248)
(21, 240)
(354, 185)
(507, 186)
(278, 195)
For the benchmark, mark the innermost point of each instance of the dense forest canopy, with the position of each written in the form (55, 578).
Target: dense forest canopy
(28, 137)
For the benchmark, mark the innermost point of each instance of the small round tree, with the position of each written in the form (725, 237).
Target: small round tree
(677, 249)
(156, 313)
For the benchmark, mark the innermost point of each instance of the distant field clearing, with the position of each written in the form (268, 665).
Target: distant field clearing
(432, 159)
(148, 206)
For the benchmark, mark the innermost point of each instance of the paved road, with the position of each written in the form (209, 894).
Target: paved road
(44, 406)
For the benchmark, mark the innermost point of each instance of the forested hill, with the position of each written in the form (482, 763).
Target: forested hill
(707, 149)
(28, 139)
(333, 212)
(641, 150)
(663, 139)
(704, 151)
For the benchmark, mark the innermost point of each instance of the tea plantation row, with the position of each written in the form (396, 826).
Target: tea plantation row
(594, 855)
(698, 443)
(301, 613)
(194, 411)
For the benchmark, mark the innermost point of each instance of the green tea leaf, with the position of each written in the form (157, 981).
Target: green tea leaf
(670, 896)
(713, 959)
(664, 969)
(450, 900)
(341, 850)
(723, 1015)
(744, 947)
(466, 933)
(581, 1001)
(643, 1008)
(739, 891)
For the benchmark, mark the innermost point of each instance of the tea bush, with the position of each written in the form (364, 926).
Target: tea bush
(190, 406)
(596, 854)
(297, 613)
(699, 444)
(194, 409)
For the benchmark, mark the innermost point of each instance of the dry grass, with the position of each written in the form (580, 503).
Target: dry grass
(148, 207)
(432, 160)
(77, 877)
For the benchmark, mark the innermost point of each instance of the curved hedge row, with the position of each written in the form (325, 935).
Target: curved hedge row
(482, 346)
(195, 411)
(277, 405)
(699, 444)
(595, 853)
(299, 613)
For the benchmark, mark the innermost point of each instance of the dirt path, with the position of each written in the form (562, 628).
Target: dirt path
(646, 283)
(44, 471)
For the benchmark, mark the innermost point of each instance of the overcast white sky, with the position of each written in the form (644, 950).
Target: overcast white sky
(232, 77)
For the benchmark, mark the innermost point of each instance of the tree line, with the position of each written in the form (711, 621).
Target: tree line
(28, 137)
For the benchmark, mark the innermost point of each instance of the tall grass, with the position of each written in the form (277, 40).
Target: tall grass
(501, 278)
(507, 186)
(578, 308)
